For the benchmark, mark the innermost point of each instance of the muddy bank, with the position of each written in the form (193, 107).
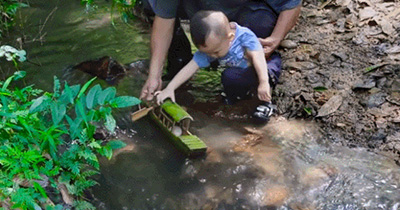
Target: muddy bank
(341, 69)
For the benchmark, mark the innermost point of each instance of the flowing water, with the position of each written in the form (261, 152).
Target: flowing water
(284, 165)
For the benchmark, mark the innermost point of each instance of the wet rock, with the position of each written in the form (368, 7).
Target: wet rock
(313, 175)
(276, 195)
(104, 68)
(141, 66)
(289, 44)
(365, 84)
(374, 100)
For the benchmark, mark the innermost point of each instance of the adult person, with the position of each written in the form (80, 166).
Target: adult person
(270, 20)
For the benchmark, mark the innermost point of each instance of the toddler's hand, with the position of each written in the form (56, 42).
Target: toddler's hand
(164, 94)
(264, 92)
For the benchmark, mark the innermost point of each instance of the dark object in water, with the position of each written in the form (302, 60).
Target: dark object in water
(104, 68)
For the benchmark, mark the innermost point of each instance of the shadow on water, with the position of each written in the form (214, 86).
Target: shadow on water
(284, 165)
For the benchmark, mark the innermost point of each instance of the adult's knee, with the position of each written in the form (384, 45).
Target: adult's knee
(258, 17)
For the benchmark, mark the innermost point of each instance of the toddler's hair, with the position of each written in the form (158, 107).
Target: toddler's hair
(201, 26)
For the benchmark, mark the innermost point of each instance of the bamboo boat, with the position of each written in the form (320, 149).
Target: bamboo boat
(175, 123)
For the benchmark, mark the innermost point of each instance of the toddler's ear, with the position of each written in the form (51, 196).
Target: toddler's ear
(231, 35)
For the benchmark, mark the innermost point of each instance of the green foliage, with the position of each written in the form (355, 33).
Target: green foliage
(124, 7)
(320, 88)
(50, 135)
(8, 10)
(308, 110)
(206, 85)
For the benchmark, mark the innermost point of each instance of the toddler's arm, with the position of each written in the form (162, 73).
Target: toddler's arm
(260, 65)
(183, 75)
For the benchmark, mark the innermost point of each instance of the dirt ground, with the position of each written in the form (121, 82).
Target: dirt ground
(342, 69)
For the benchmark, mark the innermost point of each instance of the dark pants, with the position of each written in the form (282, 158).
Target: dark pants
(239, 82)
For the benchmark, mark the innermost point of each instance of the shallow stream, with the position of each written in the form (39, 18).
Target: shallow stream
(284, 165)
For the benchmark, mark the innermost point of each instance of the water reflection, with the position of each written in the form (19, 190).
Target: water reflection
(284, 165)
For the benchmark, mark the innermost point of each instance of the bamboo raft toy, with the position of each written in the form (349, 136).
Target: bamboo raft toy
(175, 122)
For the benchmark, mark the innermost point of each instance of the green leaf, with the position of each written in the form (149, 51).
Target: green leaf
(106, 95)
(116, 144)
(57, 112)
(75, 89)
(85, 87)
(7, 82)
(66, 95)
(91, 98)
(320, 88)
(39, 104)
(19, 74)
(110, 123)
(95, 145)
(308, 110)
(83, 205)
(57, 87)
(80, 110)
(40, 189)
(106, 151)
(124, 101)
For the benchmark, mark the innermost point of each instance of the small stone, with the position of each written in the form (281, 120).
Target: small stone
(396, 86)
(340, 55)
(367, 12)
(289, 44)
(365, 84)
(375, 100)
(313, 78)
(330, 106)
(301, 65)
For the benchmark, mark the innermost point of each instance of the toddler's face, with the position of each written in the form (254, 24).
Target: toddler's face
(216, 47)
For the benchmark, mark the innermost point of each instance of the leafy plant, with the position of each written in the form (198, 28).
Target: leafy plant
(47, 139)
(124, 7)
(8, 9)
(206, 85)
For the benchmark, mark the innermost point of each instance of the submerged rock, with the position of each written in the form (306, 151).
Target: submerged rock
(105, 68)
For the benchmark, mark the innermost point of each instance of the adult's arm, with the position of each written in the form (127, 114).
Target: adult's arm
(286, 21)
(161, 36)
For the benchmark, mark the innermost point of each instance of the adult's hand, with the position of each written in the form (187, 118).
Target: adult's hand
(150, 87)
(286, 21)
(269, 45)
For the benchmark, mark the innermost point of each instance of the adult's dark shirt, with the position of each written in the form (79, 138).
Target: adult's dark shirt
(168, 8)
